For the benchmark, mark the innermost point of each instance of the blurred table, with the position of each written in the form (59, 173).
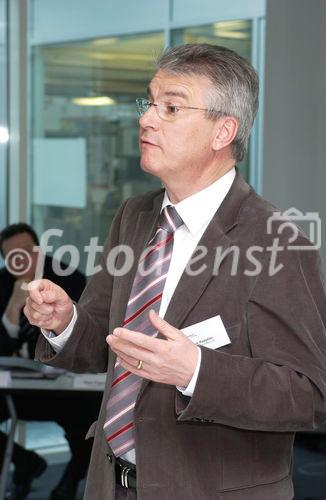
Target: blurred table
(36, 379)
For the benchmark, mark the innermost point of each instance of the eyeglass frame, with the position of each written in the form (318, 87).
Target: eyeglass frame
(159, 105)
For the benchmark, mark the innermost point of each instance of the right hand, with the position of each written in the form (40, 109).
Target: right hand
(48, 306)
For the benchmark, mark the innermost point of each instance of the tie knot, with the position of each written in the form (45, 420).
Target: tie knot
(169, 219)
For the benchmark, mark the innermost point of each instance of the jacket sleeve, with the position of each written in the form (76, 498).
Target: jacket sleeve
(282, 386)
(86, 349)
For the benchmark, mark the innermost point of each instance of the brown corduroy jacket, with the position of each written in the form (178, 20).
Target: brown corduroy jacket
(233, 438)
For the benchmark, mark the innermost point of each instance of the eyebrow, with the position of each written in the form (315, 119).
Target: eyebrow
(169, 93)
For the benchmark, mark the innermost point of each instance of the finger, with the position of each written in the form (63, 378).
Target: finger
(35, 287)
(128, 359)
(50, 296)
(140, 372)
(163, 326)
(39, 319)
(35, 317)
(46, 324)
(45, 291)
(43, 308)
(128, 349)
(137, 338)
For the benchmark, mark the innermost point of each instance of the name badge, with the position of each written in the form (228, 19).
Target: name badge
(209, 333)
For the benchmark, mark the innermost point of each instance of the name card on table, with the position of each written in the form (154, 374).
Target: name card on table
(5, 378)
(90, 381)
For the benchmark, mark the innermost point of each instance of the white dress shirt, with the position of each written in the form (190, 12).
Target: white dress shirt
(196, 212)
(11, 328)
(13, 332)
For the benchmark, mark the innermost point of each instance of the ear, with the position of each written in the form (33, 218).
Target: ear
(226, 130)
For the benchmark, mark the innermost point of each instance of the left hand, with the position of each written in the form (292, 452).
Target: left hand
(171, 361)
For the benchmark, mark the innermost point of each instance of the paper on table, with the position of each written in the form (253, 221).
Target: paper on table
(5, 378)
(95, 381)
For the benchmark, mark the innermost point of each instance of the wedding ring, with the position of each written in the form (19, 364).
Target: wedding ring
(140, 364)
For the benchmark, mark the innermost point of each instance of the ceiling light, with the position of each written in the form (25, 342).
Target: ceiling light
(236, 35)
(104, 41)
(4, 135)
(94, 101)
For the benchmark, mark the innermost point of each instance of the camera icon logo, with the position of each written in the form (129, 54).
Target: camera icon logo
(310, 222)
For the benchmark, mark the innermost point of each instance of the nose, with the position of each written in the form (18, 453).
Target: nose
(150, 119)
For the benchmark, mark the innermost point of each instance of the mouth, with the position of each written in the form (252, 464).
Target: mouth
(147, 142)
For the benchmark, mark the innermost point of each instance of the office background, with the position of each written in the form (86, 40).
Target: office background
(58, 60)
(70, 71)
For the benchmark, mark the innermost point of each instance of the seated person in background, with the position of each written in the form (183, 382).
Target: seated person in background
(18, 245)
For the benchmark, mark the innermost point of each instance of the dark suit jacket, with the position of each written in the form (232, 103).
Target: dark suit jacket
(233, 438)
(73, 284)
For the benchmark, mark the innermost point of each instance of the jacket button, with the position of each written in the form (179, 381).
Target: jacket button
(109, 457)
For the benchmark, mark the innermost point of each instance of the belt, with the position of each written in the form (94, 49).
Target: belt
(125, 473)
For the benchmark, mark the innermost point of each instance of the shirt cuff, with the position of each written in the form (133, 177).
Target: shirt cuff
(59, 341)
(11, 328)
(189, 390)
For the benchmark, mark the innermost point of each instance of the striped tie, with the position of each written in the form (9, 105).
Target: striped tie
(146, 294)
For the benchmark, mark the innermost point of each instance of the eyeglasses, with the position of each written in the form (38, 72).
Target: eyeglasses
(165, 110)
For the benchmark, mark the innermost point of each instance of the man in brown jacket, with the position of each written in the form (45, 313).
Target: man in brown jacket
(209, 412)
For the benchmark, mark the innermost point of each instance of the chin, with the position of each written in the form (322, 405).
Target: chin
(148, 167)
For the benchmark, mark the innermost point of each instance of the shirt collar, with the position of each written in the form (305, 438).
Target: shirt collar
(199, 208)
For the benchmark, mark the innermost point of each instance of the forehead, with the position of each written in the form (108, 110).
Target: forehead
(21, 240)
(187, 87)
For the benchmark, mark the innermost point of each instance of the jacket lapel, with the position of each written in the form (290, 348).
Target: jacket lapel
(138, 232)
(190, 288)
(216, 241)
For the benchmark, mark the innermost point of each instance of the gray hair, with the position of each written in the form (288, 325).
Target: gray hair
(235, 84)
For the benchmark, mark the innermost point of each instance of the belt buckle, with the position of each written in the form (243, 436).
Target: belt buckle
(124, 477)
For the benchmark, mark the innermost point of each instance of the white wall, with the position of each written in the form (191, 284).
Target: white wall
(294, 172)
(75, 19)
(63, 20)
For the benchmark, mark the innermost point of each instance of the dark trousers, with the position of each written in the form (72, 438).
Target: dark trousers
(74, 412)
(125, 493)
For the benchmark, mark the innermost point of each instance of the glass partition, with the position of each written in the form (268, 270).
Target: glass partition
(235, 35)
(85, 158)
(4, 134)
